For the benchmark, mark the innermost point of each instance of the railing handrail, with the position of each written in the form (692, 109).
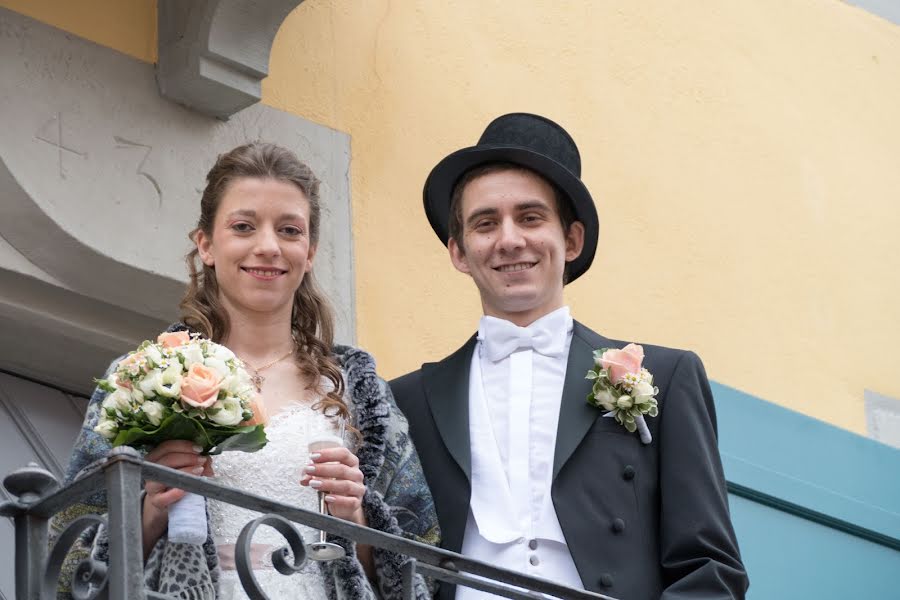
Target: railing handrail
(436, 562)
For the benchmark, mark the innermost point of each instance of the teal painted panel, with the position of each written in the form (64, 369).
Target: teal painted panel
(790, 558)
(815, 507)
(809, 463)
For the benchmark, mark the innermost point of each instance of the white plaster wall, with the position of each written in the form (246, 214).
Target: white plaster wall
(883, 418)
(100, 180)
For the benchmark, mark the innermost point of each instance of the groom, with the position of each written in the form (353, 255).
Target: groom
(524, 472)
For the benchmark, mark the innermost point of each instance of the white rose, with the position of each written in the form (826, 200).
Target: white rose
(191, 354)
(218, 365)
(642, 391)
(606, 400)
(230, 412)
(624, 402)
(230, 385)
(153, 353)
(154, 411)
(148, 384)
(168, 384)
(137, 396)
(221, 352)
(107, 429)
(118, 400)
(238, 383)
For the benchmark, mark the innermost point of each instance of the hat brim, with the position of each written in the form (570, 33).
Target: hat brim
(440, 183)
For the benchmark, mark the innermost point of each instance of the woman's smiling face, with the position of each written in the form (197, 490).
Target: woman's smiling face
(260, 244)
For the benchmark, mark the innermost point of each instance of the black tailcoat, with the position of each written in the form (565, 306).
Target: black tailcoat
(641, 521)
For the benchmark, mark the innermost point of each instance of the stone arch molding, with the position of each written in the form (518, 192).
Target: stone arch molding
(99, 184)
(214, 54)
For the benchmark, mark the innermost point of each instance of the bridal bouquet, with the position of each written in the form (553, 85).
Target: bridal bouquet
(182, 387)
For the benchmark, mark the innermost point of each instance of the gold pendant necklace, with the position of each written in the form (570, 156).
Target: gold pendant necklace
(258, 379)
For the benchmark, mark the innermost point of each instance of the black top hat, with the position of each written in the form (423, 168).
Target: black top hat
(533, 142)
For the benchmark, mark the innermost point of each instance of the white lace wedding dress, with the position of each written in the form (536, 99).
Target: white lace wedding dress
(273, 472)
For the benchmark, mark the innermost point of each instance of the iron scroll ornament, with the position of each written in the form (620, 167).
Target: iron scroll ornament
(89, 580)
(243, 562)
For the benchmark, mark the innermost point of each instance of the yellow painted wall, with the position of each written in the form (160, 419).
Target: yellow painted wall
(743, 156)
(128, 26)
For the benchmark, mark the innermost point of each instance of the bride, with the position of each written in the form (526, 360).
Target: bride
(252, 289)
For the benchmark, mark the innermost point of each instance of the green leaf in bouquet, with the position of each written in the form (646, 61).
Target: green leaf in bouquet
(180, 426)
(176, 426)
(249, 438)
(105, 385)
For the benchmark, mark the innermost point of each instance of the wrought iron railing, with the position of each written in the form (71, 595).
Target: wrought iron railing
(38, 566)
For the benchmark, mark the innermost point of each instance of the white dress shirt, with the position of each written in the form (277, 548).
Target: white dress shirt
(514, 403)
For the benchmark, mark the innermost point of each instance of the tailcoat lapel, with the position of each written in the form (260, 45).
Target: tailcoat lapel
(575, 415)
(447, 393)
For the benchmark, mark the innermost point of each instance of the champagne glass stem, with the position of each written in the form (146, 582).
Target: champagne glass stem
(323, 550)
(322, 510)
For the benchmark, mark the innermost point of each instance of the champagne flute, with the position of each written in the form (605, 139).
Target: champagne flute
(318, 440)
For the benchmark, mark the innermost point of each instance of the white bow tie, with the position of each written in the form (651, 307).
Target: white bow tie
(547, 335)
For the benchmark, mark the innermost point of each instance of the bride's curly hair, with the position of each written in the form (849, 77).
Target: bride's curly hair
(312, 318)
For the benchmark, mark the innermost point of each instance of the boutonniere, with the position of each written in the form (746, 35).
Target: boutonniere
(623, 388)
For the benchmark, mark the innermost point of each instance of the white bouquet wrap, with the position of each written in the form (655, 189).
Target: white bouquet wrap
(187, 520)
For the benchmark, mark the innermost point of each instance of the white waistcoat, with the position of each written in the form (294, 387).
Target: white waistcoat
(502, 527)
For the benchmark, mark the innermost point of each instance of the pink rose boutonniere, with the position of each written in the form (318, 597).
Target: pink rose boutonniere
(623, 388)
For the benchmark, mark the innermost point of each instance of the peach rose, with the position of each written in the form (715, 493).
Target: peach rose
(620, 363)
(173, 339)
(132, 362)
(200, 387)
(260, 416)
(132, 359)
(123, 383)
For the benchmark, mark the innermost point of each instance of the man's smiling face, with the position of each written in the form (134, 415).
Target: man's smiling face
(514, 246)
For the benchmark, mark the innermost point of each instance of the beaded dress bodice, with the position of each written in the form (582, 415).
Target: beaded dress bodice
(273, 472)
